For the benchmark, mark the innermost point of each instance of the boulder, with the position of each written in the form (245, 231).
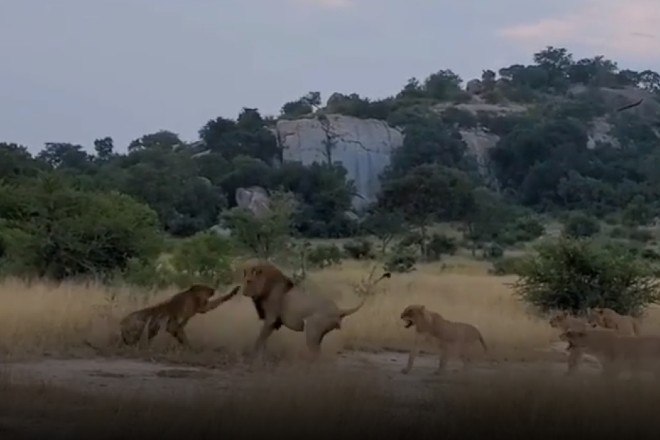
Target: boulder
(255, 199)
(362, 146)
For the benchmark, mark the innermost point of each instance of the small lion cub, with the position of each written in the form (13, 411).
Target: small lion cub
(452, 337)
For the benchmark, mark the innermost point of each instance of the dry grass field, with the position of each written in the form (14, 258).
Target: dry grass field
(323, 400)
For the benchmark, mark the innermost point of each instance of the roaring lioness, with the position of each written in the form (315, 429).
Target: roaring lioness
(278, 301)
(452, 337)
(610, 319)
(614, 350)
(177, 310)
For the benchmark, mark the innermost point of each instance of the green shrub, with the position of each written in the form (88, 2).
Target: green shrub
(650, 254)
(506, 266)
(359, 249)
(440, 244)
(203, 258)
(324, 255)
(401, 261)
(580, 226)
(577, 274)
(52, 230)
(640, 235)
(493, 251)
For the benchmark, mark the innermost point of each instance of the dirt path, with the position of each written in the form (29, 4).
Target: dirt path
(161, 380)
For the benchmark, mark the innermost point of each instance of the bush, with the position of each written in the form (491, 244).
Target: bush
(401, 261)
(359, 249)
(650, 254)
(576, 274)
(641, 235)
(53, 231)
(324, 255)
(526, 229)
(507, 266)
(580, 226)
(440, 244)
(203, 258)
(493, 251)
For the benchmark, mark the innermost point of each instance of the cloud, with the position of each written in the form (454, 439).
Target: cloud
(328, 4)
(616, 27)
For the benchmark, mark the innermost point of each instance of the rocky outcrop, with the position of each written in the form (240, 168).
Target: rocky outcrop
(478, 141)
(362, 146)
(255, 199)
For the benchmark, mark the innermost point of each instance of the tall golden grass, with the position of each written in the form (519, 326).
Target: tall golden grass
(44, 317)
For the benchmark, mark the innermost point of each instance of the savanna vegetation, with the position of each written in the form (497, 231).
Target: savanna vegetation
(162, 211)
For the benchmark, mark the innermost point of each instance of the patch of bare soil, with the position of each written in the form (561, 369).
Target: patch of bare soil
(160, 380)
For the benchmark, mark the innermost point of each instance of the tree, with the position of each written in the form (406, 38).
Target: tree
(428, 193)
(443, 85)
(264, 236)
(650, 81)
(428, 140)
(16, 162)
(580, 225)
(161, 139)
(57, 232)
(104, 148)
(64, 155)
(575, 275)
(384, 225)
(302, 106)
(486, 219)
(247, 137)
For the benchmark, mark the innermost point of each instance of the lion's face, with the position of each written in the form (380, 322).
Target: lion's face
(596, 317)
(411, 313)
(254, 282)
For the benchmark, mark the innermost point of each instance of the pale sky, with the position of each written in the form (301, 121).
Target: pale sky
(76, 70)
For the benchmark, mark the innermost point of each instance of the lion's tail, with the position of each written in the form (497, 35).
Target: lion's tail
(636, 326)
(344, 313)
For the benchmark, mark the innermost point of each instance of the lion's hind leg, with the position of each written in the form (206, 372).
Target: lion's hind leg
(315, 330)
(175, 328)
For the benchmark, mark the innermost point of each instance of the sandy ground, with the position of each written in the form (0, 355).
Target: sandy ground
(159, 380)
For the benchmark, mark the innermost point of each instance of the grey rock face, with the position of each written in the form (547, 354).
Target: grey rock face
(255, 199)
(362, 146)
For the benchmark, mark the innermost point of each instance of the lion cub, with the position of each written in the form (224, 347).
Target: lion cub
(614, 350)
(455, 337)
(610, 319)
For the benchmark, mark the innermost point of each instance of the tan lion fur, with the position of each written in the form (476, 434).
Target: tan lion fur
(613, 350)
(564, 321)
(278, 301)
(452, 337)
(177, 310)
(610, 319)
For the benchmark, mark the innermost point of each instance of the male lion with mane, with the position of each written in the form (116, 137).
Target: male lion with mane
(278, 301)
(451, 336)
(610, 319)
(177, 310)
(614, 350)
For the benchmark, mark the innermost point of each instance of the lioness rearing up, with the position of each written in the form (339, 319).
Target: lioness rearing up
(451, 336)
(177, 310)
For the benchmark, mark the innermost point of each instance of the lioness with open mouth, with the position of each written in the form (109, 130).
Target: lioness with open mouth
(452, 337)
